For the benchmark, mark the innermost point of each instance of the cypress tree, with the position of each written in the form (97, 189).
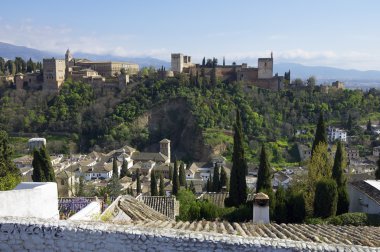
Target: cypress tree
(238, 184)
(280, 211)
(369, 126)
(176, 185)
(81, 187)
(349, 123)
(264, 177)
(153, 184)
(223, 178)
(339, 177)
(170, 173)
(182, 175)
(115, 170)
(162, 185)
(46, 166)
(377, 172)
(38, 175)
(209, 185)
(326, 198)
(216, 180)
(138, 182)
(320, 133)
(192, 187)
(124, 169)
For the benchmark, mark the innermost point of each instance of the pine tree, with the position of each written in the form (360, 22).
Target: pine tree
(124, 169)
(182, 175)
(264, 177)
(320, 133)
(223, 178)
(216, 180)
(115, 170)
(162, 185)
(176, 185)
(238, 184)
(339, 177)
(38, 175)
(153, 184)
(138, 182)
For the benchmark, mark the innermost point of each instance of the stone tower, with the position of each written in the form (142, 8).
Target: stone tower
(68, 57)
(165, 147)
(265, 67)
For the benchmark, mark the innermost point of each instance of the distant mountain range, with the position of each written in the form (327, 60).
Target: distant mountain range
(323, 74)
(10, 51)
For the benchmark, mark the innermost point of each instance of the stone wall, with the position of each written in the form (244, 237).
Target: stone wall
(40, 235)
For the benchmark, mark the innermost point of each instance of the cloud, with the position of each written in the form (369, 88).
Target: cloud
(58, 38)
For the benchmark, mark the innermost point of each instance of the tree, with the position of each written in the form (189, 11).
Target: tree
(223, 178)
(295, 206)
(170, 172)
(9, 174)
(238, 184)
(326, 198)
(320, 133)
(209, 185)
(162, 185)
(264, 177)
(311, 82)
(38, 175)
(46, 165)
(138, 182)
(81, 187)
(216, 180)
(153, 184)
(377, 172)
(182, 175)
(115, 169)
(114, 187)
(369, 126)
(339, 166)
(349, 124)
(175, 179)
(340, 179)
(124, 169)
(30, 66)
(280, 211)
(192, 187)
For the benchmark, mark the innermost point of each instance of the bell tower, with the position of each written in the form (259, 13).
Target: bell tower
(165, 148)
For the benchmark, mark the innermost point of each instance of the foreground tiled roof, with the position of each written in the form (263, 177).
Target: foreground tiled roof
(329, 234)
(138, 211)
(165, 205)
(219, 198)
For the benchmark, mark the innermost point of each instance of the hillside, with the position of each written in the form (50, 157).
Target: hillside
(195, 115)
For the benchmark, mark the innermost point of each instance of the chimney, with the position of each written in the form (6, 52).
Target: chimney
(261, 208)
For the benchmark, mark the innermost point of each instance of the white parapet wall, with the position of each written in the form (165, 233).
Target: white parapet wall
(31, 199)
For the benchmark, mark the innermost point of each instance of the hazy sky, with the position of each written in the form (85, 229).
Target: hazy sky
(340, 33)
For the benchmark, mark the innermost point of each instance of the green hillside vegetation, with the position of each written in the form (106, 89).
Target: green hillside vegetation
(105, 118)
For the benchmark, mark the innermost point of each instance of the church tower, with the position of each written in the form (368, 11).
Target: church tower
(165, 148)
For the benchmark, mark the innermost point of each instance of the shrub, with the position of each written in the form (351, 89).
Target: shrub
(296, 206)
(355, 219)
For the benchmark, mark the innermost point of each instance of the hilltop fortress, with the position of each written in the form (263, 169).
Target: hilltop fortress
(260, 76)
(97, 73)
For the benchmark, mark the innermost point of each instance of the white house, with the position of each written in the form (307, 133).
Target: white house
(364, 196)
(336, 134)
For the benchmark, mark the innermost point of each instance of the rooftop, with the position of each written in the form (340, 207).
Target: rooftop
(369, 187)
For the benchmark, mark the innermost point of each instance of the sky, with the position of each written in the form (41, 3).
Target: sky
(337, 33)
